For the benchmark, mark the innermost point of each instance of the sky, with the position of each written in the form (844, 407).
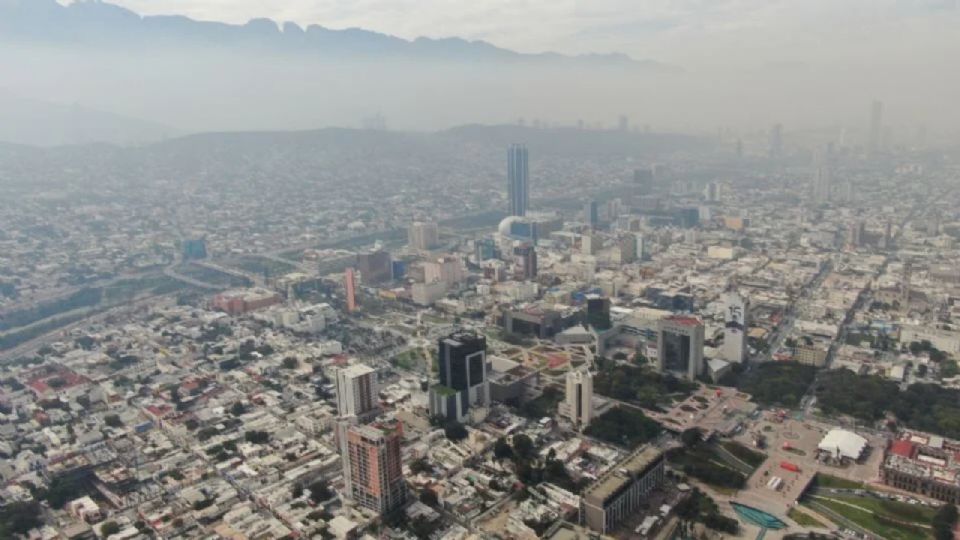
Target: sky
(694, 33)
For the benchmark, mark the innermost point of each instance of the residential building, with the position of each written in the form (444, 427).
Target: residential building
(356, 390)
(579, 397)
(423, 235)
(374, 466)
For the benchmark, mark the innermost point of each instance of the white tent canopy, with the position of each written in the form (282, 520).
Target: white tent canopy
(842, 443)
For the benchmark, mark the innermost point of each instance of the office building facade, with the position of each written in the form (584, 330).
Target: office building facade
(463, 376)
(680, 346)
(618, 493)
(375, 267)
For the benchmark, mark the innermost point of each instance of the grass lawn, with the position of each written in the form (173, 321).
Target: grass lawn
(874, 516)
(828, 481)
(804, 519)
(747, 455)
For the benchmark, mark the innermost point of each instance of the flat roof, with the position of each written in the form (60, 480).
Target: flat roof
(614, 479)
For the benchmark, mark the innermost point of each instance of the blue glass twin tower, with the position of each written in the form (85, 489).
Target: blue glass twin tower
(518, 173)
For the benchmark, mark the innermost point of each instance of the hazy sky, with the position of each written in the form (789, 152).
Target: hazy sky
(689, 32)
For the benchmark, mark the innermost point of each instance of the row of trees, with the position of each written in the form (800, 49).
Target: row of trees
(772, 383)
(624, 426)
(922, 406)
(700, 507)
(642, 385)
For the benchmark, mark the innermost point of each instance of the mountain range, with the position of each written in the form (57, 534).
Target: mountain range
(97, 23)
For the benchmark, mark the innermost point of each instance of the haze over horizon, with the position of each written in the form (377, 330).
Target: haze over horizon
(743, 65)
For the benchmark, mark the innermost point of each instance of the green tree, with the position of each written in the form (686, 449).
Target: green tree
(109, 528)
(944, 522)
(691, 437)
(523, 447)
(502, 449)
(455, 431)
(17, 518)
(320, 491)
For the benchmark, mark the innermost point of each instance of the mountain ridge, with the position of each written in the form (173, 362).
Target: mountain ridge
(99, 23)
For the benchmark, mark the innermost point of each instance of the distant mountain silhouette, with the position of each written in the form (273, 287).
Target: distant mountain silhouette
(96, 23)
(39, 123)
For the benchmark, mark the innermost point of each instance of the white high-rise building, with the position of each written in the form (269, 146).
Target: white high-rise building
(579, 397)
(735, 327)
(356, 390)
(423, 235)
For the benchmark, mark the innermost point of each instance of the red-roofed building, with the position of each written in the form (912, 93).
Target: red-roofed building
(902, 448)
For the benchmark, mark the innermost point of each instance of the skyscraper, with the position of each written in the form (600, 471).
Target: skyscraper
(876, 127)
(356, 390)
(735, 327)
(350, 285)
(518, 172)
(463, 376)
(823, 176)
(591, 213)
(579, 397)
(776, 141)
(372, 468)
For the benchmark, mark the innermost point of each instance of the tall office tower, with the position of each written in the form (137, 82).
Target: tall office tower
(680, 346)
(372, 468)
(579, 397)
(856, 234)
(591, 213)
(624, 123)
(735, 327)
(526, 257)
(598, 312)
(375, 267)
(463, 376)
(776, 141)
(739, 149)
(823, 177)
(643, 178)
(356, 391)
(876, 127)
(518, 173)
(423, 235)
(350, 285)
